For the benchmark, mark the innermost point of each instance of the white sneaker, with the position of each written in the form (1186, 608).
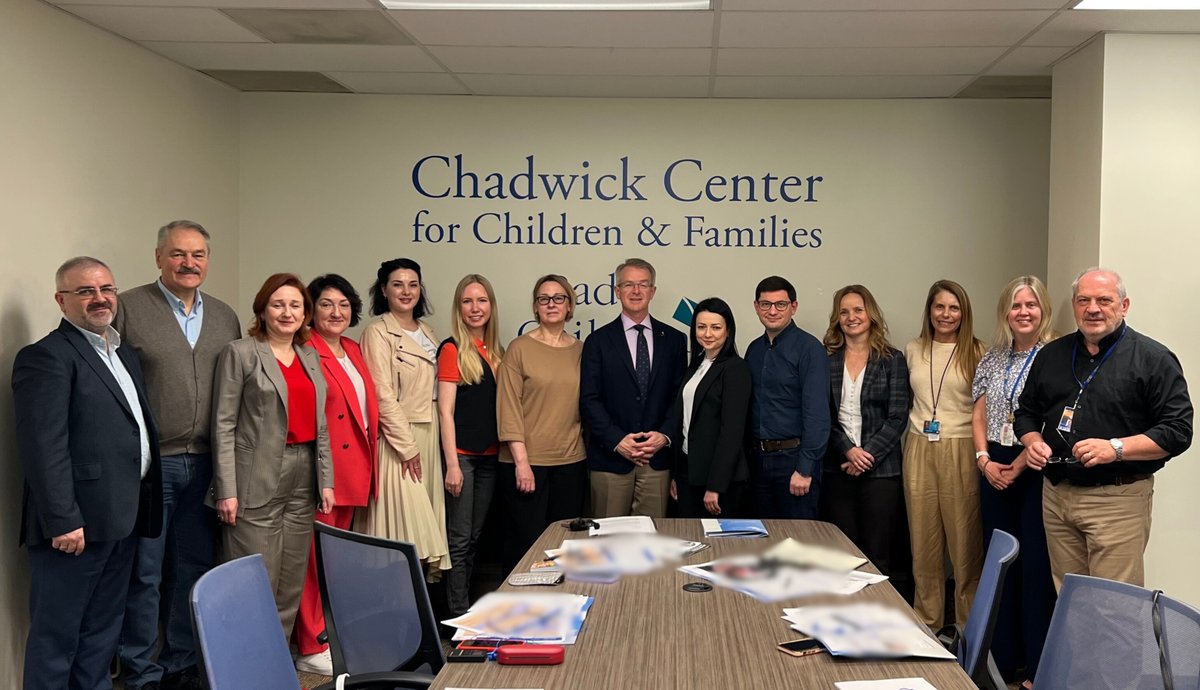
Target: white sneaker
(320, 663)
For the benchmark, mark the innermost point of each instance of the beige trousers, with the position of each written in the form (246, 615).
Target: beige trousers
(1098, 530)
(941, 488)
(640, 492)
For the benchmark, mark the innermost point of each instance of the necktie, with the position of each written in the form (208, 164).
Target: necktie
(641, 363)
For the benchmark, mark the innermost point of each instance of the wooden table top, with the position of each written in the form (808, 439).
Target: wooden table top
(644, 631)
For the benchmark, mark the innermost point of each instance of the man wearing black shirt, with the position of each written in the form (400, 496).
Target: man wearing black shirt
(1102, 411)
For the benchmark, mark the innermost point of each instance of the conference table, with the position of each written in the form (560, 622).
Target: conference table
(645, 631)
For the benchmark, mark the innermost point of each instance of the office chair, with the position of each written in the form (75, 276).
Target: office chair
(377, 612)
(240, 640)
(975, 640)
(1107, 634)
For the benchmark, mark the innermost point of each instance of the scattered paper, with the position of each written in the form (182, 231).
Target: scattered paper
(536, 618)
(866, 630)
(629, 524)
(769, 580)
(791, 551)
(890, 684)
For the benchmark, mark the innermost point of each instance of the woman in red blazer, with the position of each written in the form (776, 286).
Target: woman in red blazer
(352, 414)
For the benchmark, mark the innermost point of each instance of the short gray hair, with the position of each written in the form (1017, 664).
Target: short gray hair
(60, 276)
(637, 263)
(165, 231)
(1098, 269)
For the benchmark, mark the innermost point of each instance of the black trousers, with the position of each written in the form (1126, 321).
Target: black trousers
(559, 493)
(870, 510)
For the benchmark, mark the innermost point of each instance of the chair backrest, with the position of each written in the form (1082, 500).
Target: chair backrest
(977, 636)
(237, 629)
(1102, 636)
(377, 611)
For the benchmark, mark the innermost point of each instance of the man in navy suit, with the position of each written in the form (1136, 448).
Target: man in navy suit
(630, 373)
(89, 449)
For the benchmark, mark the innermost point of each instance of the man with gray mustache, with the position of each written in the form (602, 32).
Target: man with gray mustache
(177, 332)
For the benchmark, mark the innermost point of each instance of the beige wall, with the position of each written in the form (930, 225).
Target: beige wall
(102, 142)
(912, 191)
(1123, 196)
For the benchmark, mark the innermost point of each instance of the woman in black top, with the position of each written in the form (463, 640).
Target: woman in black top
(711, 409)
(467, 417)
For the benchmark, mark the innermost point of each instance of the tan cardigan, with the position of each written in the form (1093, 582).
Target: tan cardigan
(404, 374)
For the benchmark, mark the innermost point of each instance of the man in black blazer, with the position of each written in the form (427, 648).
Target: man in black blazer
(89, 449)
(630, 372)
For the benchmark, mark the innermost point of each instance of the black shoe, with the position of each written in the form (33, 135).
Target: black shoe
(187, 679)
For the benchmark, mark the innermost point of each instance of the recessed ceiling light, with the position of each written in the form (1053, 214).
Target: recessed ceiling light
(1138, 5)
(547, 4)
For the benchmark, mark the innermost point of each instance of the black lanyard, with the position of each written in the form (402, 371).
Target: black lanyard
(1086, 382)
(935, 397)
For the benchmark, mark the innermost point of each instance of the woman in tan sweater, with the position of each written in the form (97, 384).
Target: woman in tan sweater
(542, 476)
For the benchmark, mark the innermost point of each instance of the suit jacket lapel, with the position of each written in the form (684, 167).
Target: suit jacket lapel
(659, 331)
(620, 341)
(407, 342)
(270, 366)
(84, 347)
(706, 383)
(331, 364)
(836, 375)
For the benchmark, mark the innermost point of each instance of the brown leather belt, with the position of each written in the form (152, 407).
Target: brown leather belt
(769, 446)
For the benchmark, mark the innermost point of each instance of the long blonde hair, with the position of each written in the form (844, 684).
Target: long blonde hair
(970, 348)
(470, 369)
(1004, 334)
(836, 340)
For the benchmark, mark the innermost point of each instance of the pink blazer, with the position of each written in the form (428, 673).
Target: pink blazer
(352, 439)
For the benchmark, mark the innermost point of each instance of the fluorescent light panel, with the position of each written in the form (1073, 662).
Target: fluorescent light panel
(610, 5)
(1138, 5)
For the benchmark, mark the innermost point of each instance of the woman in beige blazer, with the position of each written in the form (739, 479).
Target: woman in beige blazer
(271, 458)
(401, 352)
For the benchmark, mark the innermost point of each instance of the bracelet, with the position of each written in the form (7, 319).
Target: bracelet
(980, 454)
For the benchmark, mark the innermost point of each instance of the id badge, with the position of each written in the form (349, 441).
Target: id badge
(1064, 422)
(1007, 436)
(932, 430)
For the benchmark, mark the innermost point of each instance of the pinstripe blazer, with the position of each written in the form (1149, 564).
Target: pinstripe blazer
(884, 407)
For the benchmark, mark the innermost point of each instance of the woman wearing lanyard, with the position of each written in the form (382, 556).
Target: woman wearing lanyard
(467, 415)
(940, 483)
(1010, 498)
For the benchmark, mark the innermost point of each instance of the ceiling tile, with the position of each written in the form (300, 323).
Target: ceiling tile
(164, 23)
(255, 80)
(1076, 26)
(845, 61)
(352, 27)
(875, 29)
(587, 87)
(839, 87)
(399, 82)
(297, 57)
(891, 5)
(586, 29)
(613, 61)
(1029, 61)
(1008, 87)
(276, 4)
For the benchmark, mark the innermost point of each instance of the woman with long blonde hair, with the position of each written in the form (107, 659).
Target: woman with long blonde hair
(466, 403)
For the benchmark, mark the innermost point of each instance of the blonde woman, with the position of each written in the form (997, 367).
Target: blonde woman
(401, 352)
(941, 486)
(1010, 497)
(466, 405)
(542, 475)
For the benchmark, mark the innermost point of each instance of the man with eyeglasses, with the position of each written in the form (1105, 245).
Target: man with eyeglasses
(1103, 409)
(177, 332)
(630, 372)
(789, 408)
(89, 449)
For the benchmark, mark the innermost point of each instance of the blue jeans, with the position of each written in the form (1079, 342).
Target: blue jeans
(771, 476)
(465, 515)
(173, 561)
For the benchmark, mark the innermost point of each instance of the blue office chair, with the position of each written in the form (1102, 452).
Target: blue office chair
(1107, 634)
(975, 641)
(377, 612)
(240, 640)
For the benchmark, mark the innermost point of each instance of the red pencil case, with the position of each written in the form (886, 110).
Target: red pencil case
(530, 654)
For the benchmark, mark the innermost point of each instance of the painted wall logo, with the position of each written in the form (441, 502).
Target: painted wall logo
(684, 312)
(683, 182)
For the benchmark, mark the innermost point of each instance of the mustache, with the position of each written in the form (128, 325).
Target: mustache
(188, 271)
(99, 306)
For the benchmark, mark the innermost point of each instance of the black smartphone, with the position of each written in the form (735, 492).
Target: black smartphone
(802, 647)
(457, 656)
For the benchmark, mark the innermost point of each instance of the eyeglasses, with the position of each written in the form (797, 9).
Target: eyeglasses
(631, 284)
(1060, 460)
(547, 299)
(90, 292)
(764, 305)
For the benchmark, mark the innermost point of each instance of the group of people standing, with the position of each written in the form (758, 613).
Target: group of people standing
(410, 438)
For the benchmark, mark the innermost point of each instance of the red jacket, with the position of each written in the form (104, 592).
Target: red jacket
(354, 466)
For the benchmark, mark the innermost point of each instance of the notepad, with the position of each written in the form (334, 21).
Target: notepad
(721, 527)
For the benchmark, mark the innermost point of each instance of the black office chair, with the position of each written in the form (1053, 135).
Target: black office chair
(240, 640)
(974, 643)
(377, 612)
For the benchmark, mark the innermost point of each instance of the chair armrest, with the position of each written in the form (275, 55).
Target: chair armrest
(387, 679)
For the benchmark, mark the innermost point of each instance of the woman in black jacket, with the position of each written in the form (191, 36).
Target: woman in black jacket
(711, 407)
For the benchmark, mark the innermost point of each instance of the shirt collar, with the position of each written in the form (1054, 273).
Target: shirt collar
(176, 303)
(783, 335)
(628, 323)
(109, 342)
(1105, 342)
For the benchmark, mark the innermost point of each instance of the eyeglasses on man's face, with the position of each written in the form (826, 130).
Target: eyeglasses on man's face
(639, 284)
(544, 300)
(106, 291)
(764, 305)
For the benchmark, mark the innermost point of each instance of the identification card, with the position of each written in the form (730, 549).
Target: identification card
(1007, 436)
(932, 430)
(1064, 422)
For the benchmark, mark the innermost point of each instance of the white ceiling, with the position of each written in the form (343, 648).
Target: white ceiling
(740, 49)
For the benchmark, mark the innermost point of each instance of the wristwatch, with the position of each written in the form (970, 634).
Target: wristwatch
(1119, 446)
